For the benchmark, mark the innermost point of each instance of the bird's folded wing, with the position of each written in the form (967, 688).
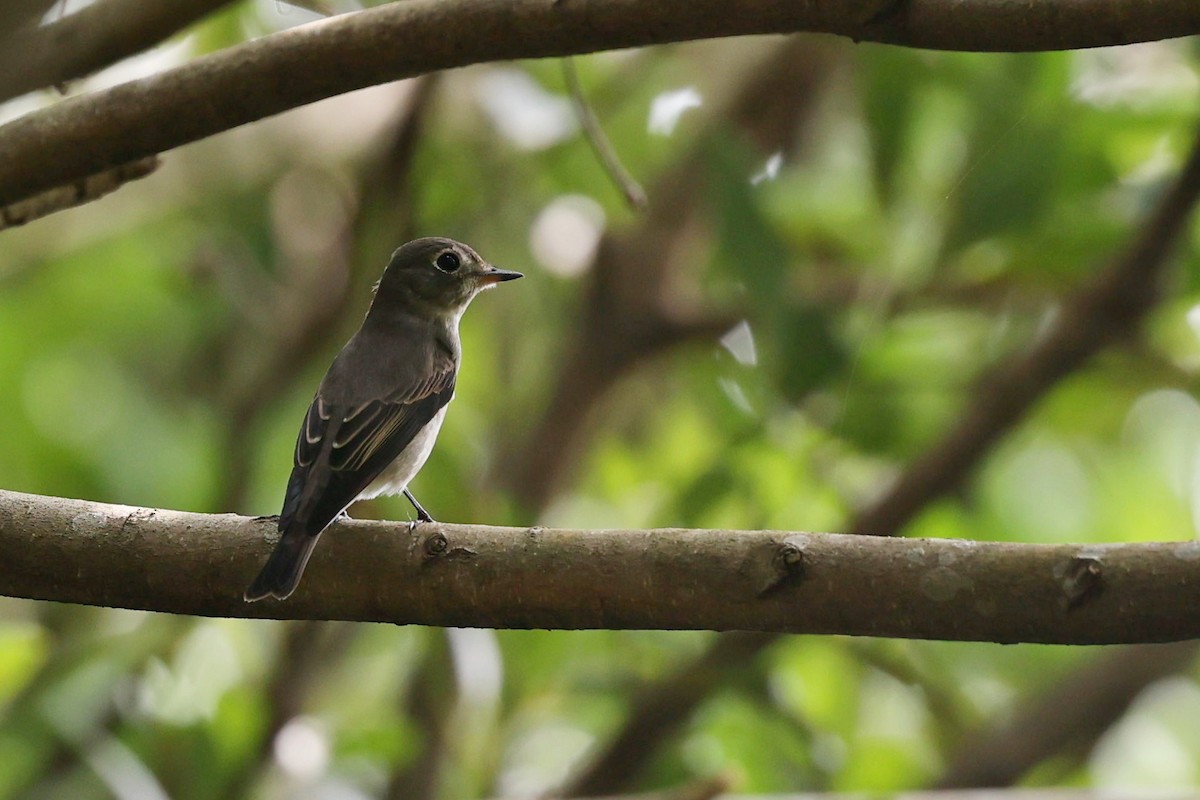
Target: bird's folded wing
(341, 449)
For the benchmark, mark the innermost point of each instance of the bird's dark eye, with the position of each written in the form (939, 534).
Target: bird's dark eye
(447, 261)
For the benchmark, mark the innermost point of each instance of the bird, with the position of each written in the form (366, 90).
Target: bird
(378, 410)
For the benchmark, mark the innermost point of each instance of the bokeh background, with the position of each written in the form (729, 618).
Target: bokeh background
(840, 240)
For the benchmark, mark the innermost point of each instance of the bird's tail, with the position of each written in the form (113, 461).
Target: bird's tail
(281, 573)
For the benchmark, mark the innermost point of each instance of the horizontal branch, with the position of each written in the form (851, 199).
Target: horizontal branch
(481, 576)
(90, 133)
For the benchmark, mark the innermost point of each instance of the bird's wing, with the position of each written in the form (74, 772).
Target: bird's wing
(342, 448)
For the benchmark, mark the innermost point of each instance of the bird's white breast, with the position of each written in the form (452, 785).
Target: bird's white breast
(395, 476)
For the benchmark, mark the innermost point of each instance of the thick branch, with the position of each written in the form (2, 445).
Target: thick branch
(481, 576)
(89, 134)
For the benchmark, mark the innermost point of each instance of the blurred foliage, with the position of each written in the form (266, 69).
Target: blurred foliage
(924, 224)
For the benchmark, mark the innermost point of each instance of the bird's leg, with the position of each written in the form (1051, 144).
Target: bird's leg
(422, 514)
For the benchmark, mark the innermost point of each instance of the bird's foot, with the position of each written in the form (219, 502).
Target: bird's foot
(422, 514)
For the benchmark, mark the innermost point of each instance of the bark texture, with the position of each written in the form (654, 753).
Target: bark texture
(480, 576)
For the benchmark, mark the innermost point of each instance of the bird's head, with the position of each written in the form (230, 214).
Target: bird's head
(436, 275)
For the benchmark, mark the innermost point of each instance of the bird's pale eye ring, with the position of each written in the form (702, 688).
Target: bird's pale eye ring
(448, 261)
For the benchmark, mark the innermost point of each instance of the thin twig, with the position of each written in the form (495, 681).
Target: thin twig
(626, 184)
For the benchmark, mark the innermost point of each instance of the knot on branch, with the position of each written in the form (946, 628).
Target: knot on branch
(787, 567)
(1081, 581)
(437, 546)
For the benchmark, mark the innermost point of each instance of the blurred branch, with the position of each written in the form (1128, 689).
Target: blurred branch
(85, 135)
(707, 789)
(1006, 794)
(1108, 308)
(658, 709)
(429, 702)
(481, 576)
(944, 700)
(631, 310)
(75, 194)
(103, 33)
(309, 648)
(52, 750)
(630, 189)
(15, 14)
(1069, 716)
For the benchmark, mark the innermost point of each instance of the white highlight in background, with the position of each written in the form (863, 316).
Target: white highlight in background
(770, 170)
(522, 111)
(739, 341)
(302, 749)
(668, 107)
(564, 236)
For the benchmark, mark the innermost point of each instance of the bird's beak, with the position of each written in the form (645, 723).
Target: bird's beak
(494, 276)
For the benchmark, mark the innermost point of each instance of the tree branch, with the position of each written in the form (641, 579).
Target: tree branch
(481, 576)
(93, 187)
(85, 135)
(428, 701)
(90, 39)
(15, 15)
(658, 708)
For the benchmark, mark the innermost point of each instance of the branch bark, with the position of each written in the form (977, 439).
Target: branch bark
(93, 187)
(90, 39)
(85, 135)
(481, 576)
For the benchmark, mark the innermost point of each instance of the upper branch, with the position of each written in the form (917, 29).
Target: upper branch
(90, 39)
(481, 576)
(94, 132)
